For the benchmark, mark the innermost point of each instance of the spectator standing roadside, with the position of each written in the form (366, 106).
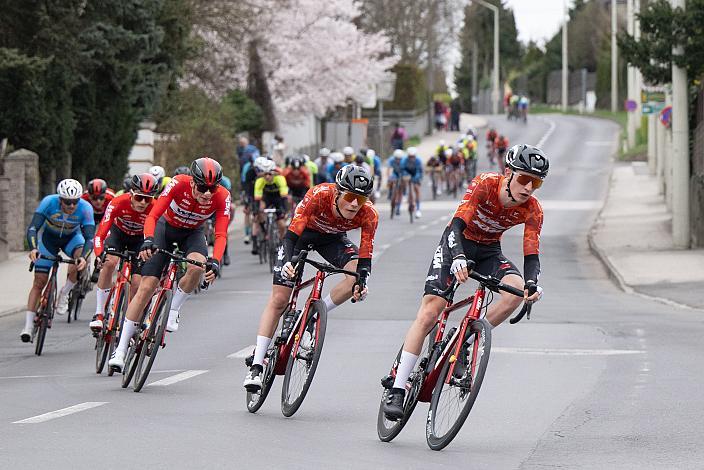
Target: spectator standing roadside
(455, 115)
(398, 137)
(246, 152)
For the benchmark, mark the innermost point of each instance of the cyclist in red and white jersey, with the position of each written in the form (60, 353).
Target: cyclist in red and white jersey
(492, 204)
(122, 228)
(99, 196)
(178, 217)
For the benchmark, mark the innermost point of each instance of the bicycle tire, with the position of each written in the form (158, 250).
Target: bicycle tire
(288, 406)
(133, 351)
(386, 429)
(120, 321)
(82, 291)
(102, 350)
(272, 246)
(439, 442)
(157, 330)
(41, 334)
(256, 400)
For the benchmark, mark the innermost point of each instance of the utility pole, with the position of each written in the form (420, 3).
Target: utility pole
(614, 58)
(680, 149)
(475, 84)
(631, 127)
(564, 58)
(495, 91)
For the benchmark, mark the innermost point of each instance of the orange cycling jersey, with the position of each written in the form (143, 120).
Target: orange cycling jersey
(487, 219)
(317, 212)
(121, 214)
(297, 179)
(501, 143)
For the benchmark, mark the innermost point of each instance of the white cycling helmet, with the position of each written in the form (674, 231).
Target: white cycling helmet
(441, 143)
(412, 151)
(324, 152)
(306, 158)
(371, 153)
(347, 151)
(337, 157)
(398, 153)
(259, 163)
(157, 172)
(267, 166)
(448, 152)
(69, 189)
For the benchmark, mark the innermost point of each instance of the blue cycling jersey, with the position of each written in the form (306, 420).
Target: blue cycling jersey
(395, 165)
(58, 223)
(226, 183)
(412, 167)
(377, 165)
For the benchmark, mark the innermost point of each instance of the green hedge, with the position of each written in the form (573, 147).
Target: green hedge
(411, 89)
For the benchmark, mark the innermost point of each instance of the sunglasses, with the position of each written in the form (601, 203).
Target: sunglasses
(69, 202)
(204, 188)
(350, 197)
(142, 198)
(97, 198)
(525, 179)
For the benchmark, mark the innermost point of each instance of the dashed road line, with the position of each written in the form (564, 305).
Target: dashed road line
(177, 378)
(242, 353)
(61, 413)
(547, 134)
(567, 352)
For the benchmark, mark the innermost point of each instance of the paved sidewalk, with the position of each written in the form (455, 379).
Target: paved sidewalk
(633, 237)
(15, 282)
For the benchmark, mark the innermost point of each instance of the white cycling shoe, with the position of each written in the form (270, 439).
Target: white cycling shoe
(117, 361)
(62, 305)
(253, 380)
(172, 323)
(26, 335)
(418, 214)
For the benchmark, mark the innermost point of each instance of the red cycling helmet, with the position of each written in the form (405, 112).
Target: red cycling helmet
(144, 184)
(97, 187)
(206, 171)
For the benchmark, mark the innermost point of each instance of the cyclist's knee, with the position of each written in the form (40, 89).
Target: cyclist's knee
(40, 281)
(279, 299)
(110, 263)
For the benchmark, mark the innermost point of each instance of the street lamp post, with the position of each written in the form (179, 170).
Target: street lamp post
(614, 57)
(564, 58)
(495, 91)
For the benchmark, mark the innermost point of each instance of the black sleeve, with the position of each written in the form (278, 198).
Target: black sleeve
(454, 239)
(289, 243)
(531, 268)
(88, 234)
(34, 226)
(364, 264)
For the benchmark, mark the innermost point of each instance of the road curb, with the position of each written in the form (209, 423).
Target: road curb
(12, 311)
(614, 273)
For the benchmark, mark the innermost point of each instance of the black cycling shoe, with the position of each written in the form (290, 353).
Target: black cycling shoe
(226, 259)
(393, 406)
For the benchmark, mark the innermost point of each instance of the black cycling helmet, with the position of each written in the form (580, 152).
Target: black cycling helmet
(182, 170)
(145, 184)
(127, 183)
(354, 179)
(528, 159)
(296, 163)
(206, 171)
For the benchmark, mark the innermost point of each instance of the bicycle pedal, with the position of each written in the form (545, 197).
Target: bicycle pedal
(249, 360)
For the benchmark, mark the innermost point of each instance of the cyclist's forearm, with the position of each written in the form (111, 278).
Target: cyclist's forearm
(289, 244)
(454, 241)
(34, 226)
(531, 267)
(88, 234)
(364, 265)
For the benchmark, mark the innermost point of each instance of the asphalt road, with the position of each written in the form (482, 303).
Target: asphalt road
(596, 379)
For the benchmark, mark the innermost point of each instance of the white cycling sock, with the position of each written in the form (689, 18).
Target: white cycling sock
(329, 304)
(102, 297)
(29, 320)
(260, 351)
(405, 367)
(179, 298)
(128, 329)
(67, 287)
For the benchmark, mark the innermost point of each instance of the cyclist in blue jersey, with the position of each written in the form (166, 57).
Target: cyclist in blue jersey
(63, 221)
(412, 166)
(394, 173)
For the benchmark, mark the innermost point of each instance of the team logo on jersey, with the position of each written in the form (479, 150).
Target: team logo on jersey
(437, 258)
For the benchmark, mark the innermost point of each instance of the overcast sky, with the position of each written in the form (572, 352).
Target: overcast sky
(538, 20)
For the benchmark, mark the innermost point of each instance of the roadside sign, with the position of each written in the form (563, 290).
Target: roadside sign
(652, 107)
(630, 105)
(652, 96)
(666, 116)
(647, 109)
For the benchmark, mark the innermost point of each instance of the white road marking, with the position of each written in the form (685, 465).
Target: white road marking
(547, 134)
(177, 378)
(242, 353)
(62, 412)
(31, 376)
(567, 352)
(423, 227)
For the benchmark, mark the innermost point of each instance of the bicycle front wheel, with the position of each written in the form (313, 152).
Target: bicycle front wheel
(41, 333)
(454, 397)
(152, 343)
(117, 321)
(302, 363)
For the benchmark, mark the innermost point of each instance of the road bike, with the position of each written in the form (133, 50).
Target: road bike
(408, 183)
(78, 293)
(396, 195)
(151, 334)
(273, 241)
(47, 302)
(451, 368)
(115, 309)
(296, 350)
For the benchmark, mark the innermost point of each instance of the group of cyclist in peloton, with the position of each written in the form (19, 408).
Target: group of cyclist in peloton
(333, 199)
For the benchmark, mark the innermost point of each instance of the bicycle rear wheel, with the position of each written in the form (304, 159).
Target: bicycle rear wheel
(256, 400)
(272, 245)
(300, 367)
(152, 343)
(453, 399)
(117, 323)
(386, 429)
(133, 352)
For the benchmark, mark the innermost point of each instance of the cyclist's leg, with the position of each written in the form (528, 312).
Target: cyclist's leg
(416, 189)
(494, 263)
(341, 253)
(114, 241)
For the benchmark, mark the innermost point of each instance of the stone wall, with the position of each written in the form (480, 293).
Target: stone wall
(19, 196)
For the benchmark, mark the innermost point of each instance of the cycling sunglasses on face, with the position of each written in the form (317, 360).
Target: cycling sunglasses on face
(525, 179)
(204, 188)
(69, 202)
(349, 197)
(142, 198)
(97, 198)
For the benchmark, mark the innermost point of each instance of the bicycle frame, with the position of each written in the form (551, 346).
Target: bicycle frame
(51, 282)
(453, 345)
(124, 275)
(166, 283)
